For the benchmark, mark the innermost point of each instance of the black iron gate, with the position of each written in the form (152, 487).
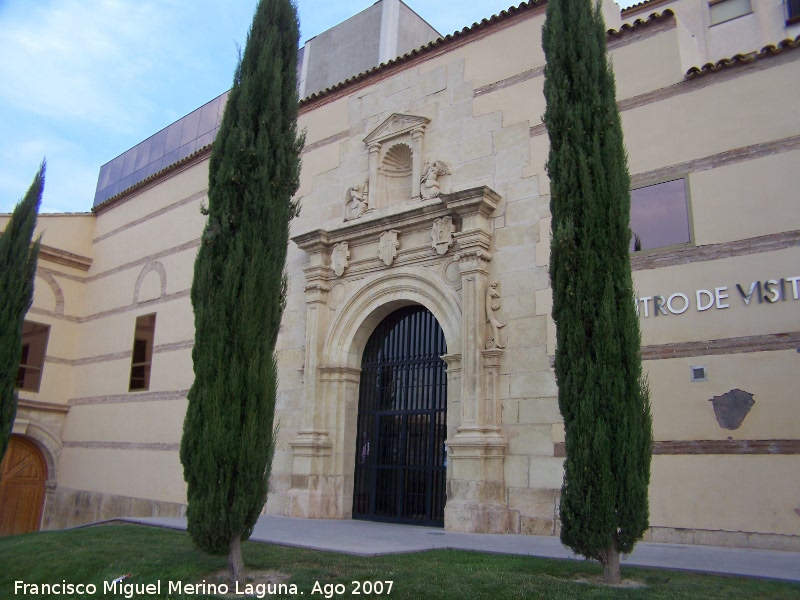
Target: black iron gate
(402, 422)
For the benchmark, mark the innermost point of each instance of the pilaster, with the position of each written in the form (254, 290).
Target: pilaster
(417, 137)
(476, 499)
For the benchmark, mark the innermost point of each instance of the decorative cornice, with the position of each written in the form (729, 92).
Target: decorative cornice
(737, 345)
(705, 447)
(691, 254)
(131, 397)
(40, 406)
(62, 257)
(156, 446)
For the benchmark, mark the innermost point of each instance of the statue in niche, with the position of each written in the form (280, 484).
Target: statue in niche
(429, 185)
(356, 201)
(492, 306)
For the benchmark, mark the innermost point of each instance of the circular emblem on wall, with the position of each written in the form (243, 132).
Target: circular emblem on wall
(451, 274)
(336, 295)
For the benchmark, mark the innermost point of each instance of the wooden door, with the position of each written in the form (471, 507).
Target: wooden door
(22, 486)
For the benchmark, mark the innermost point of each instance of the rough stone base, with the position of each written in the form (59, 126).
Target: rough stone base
(79, 507)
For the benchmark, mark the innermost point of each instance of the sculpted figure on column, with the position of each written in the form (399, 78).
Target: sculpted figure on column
(492, 306)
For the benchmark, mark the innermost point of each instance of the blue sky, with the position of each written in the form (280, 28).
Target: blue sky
(84, 80)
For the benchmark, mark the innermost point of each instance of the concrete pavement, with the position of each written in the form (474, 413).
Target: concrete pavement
(370, 539)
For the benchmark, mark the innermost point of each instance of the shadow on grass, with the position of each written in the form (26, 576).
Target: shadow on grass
(167, 561)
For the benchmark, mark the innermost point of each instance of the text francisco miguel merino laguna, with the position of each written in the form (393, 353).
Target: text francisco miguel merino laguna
(135, 590)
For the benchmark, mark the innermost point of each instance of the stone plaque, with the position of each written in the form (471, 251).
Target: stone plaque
(389, 244)
(339, 257)
(442, 234)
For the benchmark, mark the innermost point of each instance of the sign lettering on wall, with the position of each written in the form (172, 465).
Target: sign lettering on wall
(718, 298)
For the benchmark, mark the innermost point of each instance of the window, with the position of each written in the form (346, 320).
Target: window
(31, 362)
(725, 10)
(792, 11)
(659, 216)
(142, 353)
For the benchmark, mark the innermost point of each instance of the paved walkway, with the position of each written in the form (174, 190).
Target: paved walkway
(370, 539)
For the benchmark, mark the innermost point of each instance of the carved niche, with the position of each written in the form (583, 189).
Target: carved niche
(395, 160)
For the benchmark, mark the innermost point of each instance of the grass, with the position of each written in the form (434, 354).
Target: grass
(100, 554)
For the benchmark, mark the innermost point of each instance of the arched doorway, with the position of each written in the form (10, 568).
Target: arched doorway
(400, 459)
(22, 487)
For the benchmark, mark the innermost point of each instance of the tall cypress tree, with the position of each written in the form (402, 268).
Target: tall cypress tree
(239, 287)
(602, 395)
(18, 259)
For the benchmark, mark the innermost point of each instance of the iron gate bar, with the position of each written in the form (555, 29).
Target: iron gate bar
(399, 462)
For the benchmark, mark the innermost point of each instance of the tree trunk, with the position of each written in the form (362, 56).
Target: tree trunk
(611, 565)
(235, 562)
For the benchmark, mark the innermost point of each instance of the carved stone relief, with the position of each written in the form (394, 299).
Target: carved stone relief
(356, 201)
(395, 159)
(389, 244)
(429, 184)
(339, 257)
(442, 234)
(492, 306)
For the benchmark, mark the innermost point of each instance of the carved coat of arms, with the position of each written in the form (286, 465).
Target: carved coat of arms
(339, 257)
(730, 409)
(442, 234)
(387, 249)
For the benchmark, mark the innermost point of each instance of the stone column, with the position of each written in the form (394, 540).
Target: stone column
(312, 446)
(476, 498)
(374, 150)
(417, 136)
(340, 390)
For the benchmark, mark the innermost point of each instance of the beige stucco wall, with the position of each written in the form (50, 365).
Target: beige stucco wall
(483, 99)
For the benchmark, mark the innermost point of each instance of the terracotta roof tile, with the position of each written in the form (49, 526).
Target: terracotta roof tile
(638, 23)
(641, 5)
(743, 59)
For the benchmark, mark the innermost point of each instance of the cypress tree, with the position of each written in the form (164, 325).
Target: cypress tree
(602, 395)
(18, 259)
(238, 291)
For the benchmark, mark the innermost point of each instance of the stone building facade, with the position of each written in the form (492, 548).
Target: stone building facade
(423, 189)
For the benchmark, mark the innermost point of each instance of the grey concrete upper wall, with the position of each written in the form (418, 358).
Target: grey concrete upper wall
(343, 51)
(414, 32)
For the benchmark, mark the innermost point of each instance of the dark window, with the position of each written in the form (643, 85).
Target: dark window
(142, 353)
(659, 216)
(31, 362)
(792, 11)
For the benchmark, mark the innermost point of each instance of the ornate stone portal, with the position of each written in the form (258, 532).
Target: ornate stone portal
(324, 449)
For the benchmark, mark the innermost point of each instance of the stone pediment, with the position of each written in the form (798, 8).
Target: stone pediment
(395, 125)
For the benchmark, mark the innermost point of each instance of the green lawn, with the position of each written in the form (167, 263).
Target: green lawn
(96, 555)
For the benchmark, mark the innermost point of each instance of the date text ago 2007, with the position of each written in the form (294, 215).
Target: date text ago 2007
(355, 588)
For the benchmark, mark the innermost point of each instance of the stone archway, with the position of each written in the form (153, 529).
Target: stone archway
(23, 478)
(400, 460)
(323, 450)
(346, 299)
